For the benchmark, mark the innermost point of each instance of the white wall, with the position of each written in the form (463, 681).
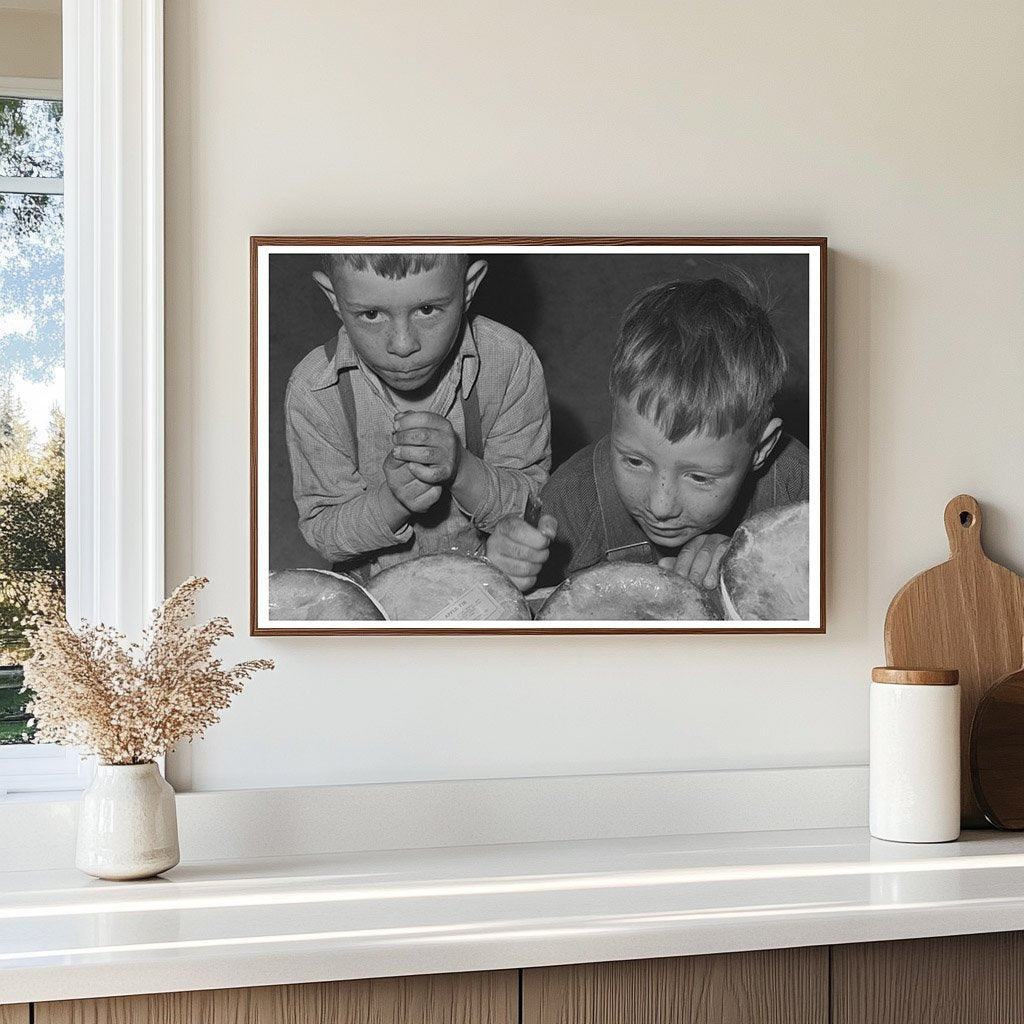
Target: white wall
(895, 129)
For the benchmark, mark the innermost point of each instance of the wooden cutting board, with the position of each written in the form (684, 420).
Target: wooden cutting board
(967, 614)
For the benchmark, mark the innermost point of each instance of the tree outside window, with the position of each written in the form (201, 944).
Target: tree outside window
(32, 544)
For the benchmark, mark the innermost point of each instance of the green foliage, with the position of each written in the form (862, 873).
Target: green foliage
(14, 727)
(32, 507)
(31, 545)
(31, 518)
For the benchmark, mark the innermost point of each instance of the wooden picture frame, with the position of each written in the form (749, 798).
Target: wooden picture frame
(566, 297)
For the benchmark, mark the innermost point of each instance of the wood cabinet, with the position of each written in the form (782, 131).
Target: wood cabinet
(775, 986)
(967, 979)
(961, 979)
(481, 998)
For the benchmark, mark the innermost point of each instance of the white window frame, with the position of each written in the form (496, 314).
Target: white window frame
(114, 333)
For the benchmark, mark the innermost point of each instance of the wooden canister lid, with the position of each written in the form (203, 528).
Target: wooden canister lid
(916, 676)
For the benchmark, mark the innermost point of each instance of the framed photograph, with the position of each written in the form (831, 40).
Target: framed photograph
(537, 435)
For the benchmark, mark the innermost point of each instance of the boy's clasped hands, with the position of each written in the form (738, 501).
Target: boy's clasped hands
(425, 458)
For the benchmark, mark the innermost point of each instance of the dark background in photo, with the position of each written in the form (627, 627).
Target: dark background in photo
(568, 306)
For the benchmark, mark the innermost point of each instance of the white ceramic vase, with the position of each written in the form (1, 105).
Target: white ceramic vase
(127, 825)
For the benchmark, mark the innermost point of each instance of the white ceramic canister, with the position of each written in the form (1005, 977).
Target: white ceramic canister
(915, 755)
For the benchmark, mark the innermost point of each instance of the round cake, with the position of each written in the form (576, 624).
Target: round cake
(766, 571)
(320, 596)
(447, 588)
(629, 591)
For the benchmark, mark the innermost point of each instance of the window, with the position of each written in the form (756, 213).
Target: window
(31, 382)
(32, 533)
(113, 332)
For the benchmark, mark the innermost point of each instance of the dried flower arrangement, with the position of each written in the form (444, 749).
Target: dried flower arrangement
(129, 704)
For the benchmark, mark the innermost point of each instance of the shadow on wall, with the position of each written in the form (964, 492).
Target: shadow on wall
(568, 307)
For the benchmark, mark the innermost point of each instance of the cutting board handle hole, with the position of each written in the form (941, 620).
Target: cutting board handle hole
(966, 519)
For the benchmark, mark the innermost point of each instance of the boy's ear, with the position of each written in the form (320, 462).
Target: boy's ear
(475, 273)
(324, 283)
(767, 442)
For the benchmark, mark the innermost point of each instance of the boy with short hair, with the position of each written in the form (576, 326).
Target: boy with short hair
(694, 449)
(418, 427)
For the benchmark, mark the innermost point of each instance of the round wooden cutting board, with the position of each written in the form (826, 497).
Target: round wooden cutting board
(997, 752)
(967, 613)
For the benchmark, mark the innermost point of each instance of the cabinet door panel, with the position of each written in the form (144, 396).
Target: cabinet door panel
(482, 998)
(14, 1014)
(960, 979)
(778, 986)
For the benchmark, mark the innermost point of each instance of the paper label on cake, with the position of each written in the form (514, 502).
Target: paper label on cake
(475, 604)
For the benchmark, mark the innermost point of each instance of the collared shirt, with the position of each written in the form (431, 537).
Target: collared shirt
(595, 526)
(339, 502)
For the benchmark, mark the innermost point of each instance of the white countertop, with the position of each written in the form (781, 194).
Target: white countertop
(356, 915)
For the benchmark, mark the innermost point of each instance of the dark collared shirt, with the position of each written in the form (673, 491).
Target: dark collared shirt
(340, 511)
(595, 526)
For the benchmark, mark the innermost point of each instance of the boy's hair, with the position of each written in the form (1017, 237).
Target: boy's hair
(697, 356)
(393, 265)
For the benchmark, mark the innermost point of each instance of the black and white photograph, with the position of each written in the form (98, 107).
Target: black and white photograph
(462, 435)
